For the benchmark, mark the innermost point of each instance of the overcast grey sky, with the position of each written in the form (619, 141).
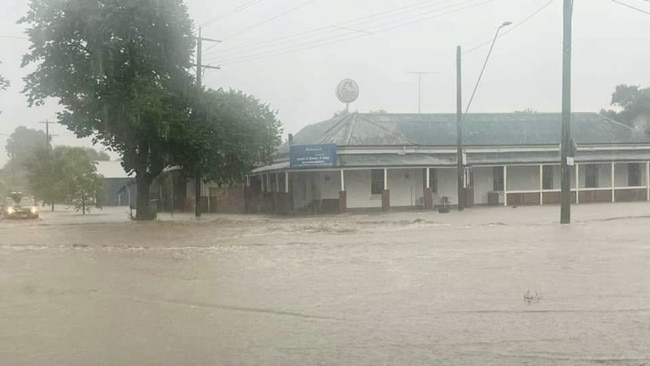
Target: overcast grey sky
(292, 53)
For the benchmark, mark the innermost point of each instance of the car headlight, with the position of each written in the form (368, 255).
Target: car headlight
(10, 210)
(34, 210)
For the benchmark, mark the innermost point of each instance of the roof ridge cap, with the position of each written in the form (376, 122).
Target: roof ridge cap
(618, 123)
(401, 136)
(329, 133)
(353, 125)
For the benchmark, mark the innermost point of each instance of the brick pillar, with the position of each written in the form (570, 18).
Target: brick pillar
(343, 201)
(385, 200)
(428, 199)
(469, 197)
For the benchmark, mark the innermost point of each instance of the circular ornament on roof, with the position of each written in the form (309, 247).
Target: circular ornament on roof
(347, 91)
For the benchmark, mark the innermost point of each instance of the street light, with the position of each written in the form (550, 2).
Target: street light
(460, 116)
(478, 81)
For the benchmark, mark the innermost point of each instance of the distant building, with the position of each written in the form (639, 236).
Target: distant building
(119, 187)
(383, 161)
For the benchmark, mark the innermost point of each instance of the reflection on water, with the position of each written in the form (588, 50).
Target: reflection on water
(405, 288)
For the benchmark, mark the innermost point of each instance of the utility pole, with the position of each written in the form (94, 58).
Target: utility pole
(48, 146)
(459, 113)
(47, 132)
(565, 210)
(419, 74)
(13, 165)
(199, 84)
(459, 132)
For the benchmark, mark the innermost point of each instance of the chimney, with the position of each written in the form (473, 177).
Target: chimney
(290, 139)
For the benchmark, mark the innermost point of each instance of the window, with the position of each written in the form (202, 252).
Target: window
(591, 176)
(376, 181)
(433, 179)
(633, 174)
(497, 178)
(547, 177)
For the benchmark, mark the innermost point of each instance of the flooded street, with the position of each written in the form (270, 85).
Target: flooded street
(497, 286)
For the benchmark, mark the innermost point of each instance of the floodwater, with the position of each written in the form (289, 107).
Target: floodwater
(495, 286)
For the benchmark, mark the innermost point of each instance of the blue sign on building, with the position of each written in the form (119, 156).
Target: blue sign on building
(313, 156)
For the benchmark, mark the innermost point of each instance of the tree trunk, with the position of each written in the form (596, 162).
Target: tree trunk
(197, 193)
(142, 200)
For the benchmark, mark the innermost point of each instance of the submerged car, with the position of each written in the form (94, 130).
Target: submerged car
(17, 206)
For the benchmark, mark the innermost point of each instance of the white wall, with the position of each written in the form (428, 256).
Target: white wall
(557, 177)
(330, 184)
(447, 186)
(604, 176)
(621, 174)
(405, 187)
(483, 183)
(357, 186)
(523, 178)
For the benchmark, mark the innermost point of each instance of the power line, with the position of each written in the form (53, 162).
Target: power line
(346, 24)
(381, 28)
(229, 13)
(303, 4)
(47, 132)
(519, 24)
(325, 40)
(633, 7)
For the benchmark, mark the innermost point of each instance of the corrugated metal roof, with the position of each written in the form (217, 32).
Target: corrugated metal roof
(276, 166)
(485, 129)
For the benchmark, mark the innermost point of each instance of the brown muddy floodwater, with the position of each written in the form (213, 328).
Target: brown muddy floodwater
(500, 286)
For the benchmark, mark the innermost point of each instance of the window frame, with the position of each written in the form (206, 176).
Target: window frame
(377, 182)
(548, 176)
(637, 177)
(591, 172)
(498, 183)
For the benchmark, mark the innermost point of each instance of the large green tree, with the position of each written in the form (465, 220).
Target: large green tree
(22, 142)
(63, 174)
(19, 147)
(80, 182)
(45, 173)
(228, 133)
(120, 70)
(632, 105)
